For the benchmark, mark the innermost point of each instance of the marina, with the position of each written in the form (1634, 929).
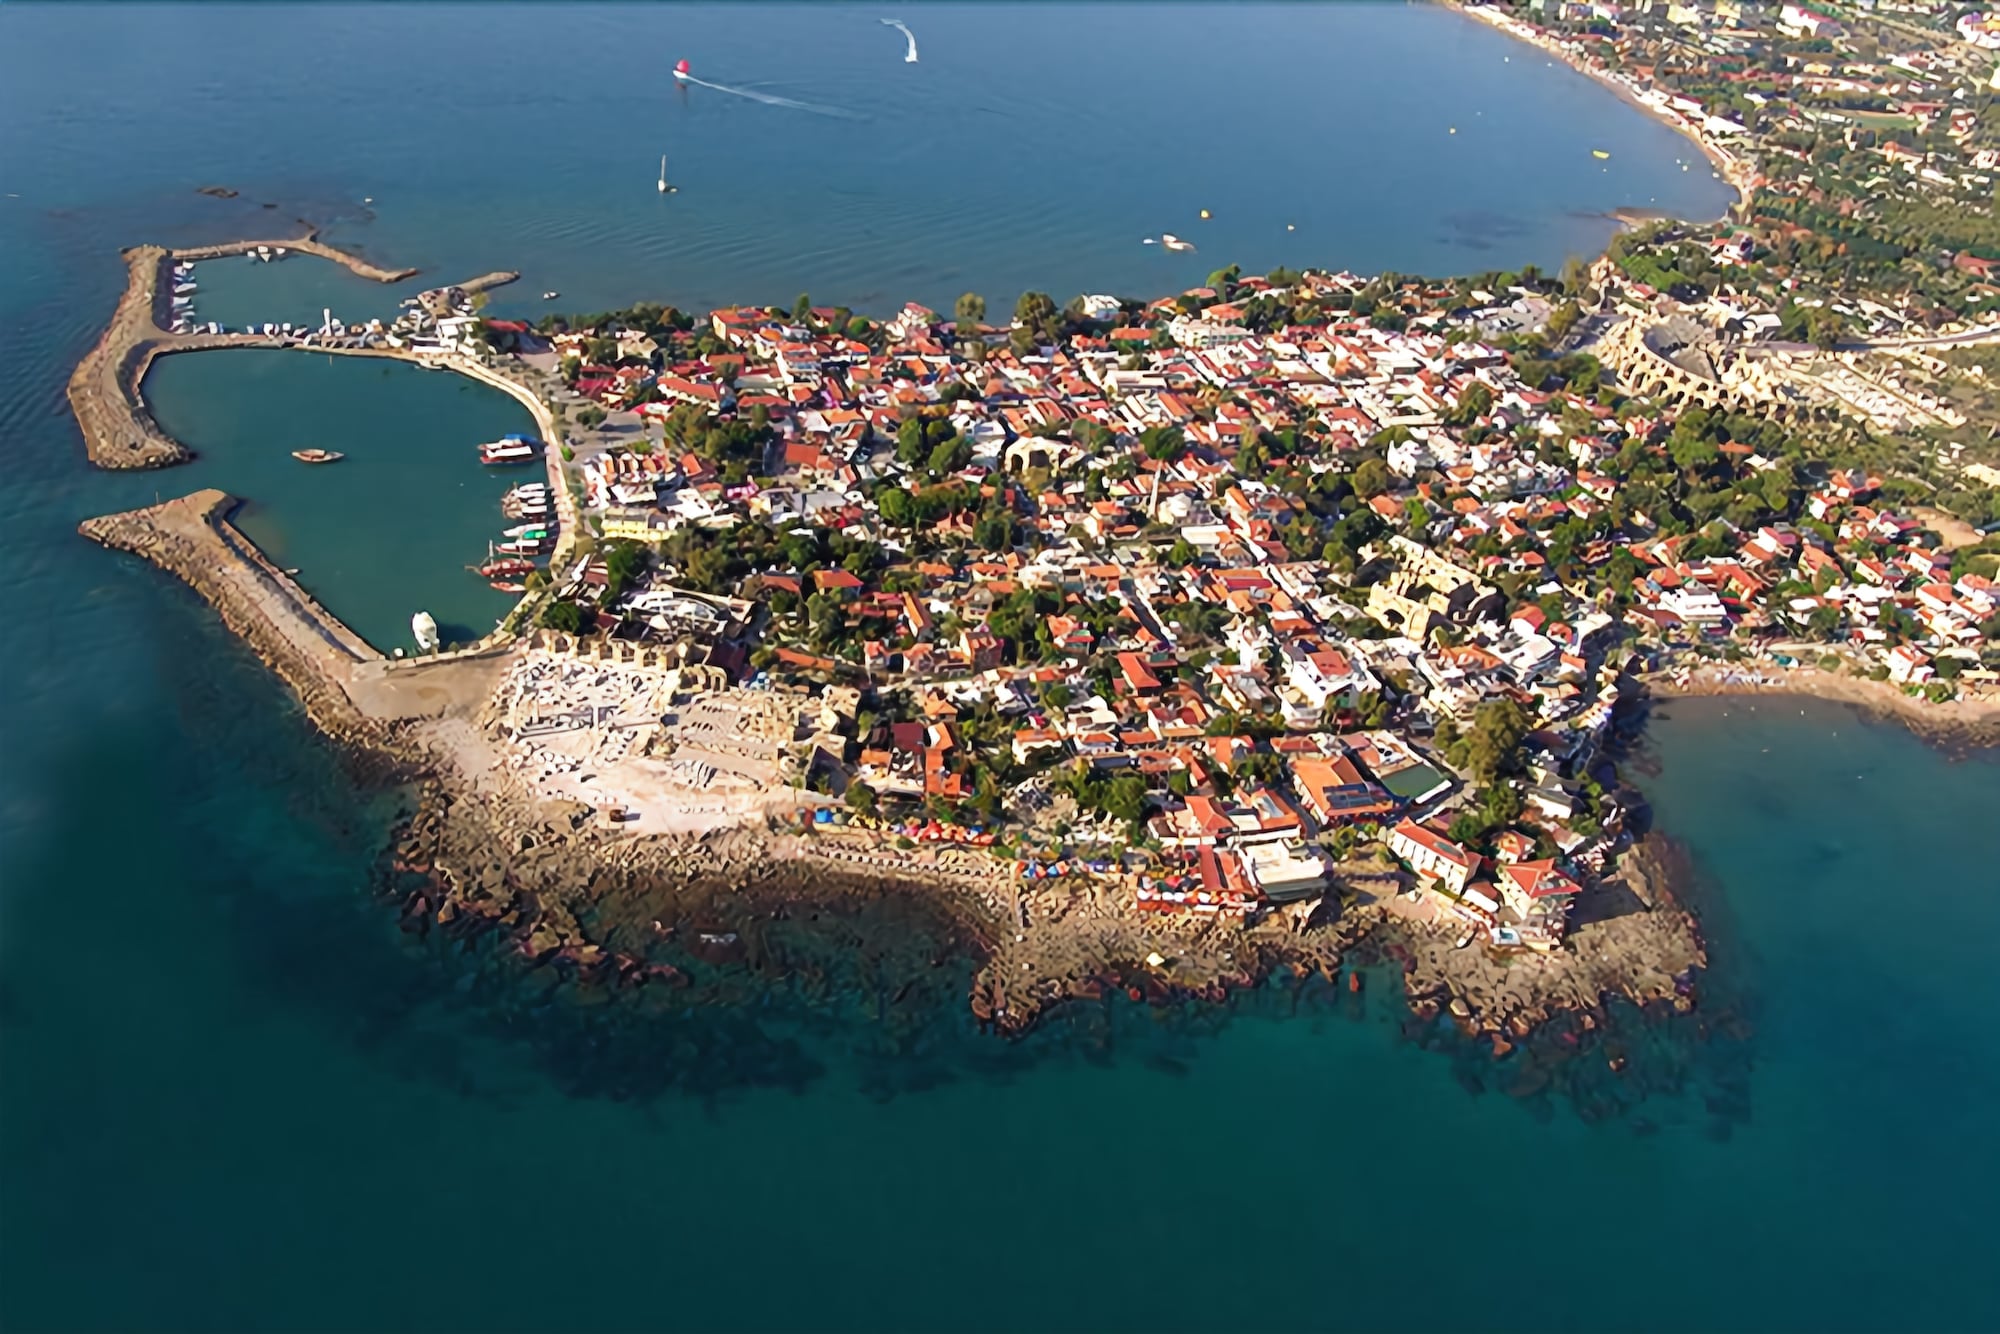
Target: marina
(391, 529)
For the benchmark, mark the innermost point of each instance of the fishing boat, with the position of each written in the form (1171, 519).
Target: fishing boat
(499, 567)
(425, 628)
(318, 455)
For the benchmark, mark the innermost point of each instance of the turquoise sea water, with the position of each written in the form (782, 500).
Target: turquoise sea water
(232, 1095)
(387, 531)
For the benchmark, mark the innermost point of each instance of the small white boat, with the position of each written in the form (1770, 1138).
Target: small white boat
(910, 57)
(550, 296)
(425, 628)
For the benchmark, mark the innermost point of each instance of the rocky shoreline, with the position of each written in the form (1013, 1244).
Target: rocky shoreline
(566, 890)
(479, 855)
(310, 651)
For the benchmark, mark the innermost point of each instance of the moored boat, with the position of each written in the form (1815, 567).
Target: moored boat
(509, 449)
(318, 455)
(502, 586)
(424, 626)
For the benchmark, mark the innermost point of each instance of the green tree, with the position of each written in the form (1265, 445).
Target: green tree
(1497, 729)
(802, 309)
(563, 617)
(1037, 312)
(898, 507)
(971, 309)
(861, 797)
(1372, 478)
(910, 441)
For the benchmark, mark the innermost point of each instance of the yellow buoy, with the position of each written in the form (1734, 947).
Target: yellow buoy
(1204, 213)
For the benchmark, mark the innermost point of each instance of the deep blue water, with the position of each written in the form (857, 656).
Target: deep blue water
(232, 1095)
(1031, 146)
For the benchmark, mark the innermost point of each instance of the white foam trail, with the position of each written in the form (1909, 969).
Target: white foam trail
(911, 58)
(773, 100)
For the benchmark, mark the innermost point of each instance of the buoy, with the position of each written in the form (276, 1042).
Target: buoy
(1204, 213)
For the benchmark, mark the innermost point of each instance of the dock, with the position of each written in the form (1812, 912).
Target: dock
(118, 430)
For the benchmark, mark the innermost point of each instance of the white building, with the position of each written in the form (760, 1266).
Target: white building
(1187, 331)
(1433, 855)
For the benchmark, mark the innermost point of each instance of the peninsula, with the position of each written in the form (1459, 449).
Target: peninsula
(1290, 622)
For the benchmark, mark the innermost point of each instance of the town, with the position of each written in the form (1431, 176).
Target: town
(1230, 597)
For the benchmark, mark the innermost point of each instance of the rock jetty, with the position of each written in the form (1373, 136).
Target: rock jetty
(104, 390)
(290, 632)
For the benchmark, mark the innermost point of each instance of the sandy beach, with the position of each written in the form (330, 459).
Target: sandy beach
(1740, 175)
(1970, 722)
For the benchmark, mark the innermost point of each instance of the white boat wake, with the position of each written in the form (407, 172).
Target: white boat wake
(771, 99)
(911, 58)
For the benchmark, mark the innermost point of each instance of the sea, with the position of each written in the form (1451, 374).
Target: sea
(233, 1095)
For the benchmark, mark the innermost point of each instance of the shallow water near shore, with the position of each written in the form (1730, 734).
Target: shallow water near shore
(235, 1052)
(235, 1096)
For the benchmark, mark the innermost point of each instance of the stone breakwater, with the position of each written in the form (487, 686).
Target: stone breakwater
(291, 633)
(104, 390)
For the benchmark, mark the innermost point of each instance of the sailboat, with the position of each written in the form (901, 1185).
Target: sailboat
(665, 189)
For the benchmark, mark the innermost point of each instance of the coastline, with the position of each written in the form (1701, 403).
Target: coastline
(106, 395)
(481, 853)
(104, 390)
(1955, 727)
(483, 850)
(1738, 174)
